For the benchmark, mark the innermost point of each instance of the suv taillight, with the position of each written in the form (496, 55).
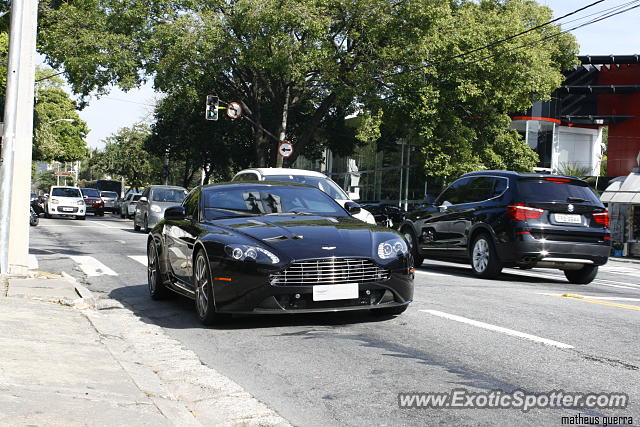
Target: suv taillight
(602, 218)
(520, 212)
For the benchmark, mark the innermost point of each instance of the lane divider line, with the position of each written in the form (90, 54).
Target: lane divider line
(598, 297)
(500, 329)
(576, 297)
(142, 259)
(91, 266)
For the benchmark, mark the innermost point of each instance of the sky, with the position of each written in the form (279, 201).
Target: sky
(617, 35)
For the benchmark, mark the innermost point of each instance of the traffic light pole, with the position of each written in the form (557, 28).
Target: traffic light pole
(15, 171)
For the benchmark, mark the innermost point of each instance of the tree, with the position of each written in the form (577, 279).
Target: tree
(59, 133)
(124, 155)
(299, 67)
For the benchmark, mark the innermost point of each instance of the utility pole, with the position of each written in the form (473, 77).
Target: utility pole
(15, 171)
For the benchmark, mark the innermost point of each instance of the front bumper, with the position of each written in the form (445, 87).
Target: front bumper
(66, 210)
(250, 291)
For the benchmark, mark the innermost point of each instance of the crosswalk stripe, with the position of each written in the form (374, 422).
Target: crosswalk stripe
(32, 262)
(92, 267)
(142, 259)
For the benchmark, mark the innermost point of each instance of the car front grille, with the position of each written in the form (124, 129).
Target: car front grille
(328, 271)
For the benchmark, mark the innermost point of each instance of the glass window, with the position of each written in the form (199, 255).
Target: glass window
(136, 197)
(249, 176)
(548, 190)
(190, 203)
(261, 200)
(90, 192)
(500, 186)
(109, 194)
(455, 194)
(478, 189)
(66, 192)
(168, 195)
(325, 184)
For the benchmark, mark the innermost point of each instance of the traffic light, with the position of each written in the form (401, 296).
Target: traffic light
(211, 112)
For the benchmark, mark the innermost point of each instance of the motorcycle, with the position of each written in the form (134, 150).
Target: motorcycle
(33, 217)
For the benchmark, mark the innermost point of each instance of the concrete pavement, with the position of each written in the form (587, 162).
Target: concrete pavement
(68, 360)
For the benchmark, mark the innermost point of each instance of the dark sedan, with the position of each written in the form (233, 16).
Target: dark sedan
(94, 202)
(276, 248)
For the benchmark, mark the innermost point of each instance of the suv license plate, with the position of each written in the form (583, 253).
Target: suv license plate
(569, 219)
(334, 292)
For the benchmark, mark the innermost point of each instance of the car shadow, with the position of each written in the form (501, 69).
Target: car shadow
(178, 312)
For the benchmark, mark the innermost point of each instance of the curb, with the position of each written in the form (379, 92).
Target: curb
(625, 260)
(83, 292)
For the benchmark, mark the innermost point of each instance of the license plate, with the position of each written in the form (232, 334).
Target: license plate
(569, 219)
(335, 292)
(67, 209)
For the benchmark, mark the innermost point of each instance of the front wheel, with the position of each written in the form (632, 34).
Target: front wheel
(484, 258)
(33, 221)
(145, 224)
(205, 305)
(584, 276)
(410, 237)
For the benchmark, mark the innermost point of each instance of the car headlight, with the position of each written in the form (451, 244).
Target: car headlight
(81, 202)
(54, 201)
(156, 209)
(250, 253)
(392, 248)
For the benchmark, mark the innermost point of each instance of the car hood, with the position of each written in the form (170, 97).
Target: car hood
(306, 236)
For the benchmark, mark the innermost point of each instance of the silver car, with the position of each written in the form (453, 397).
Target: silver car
(151, 206)
(109, 198)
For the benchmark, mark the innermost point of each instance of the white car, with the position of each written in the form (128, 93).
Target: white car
(302, 176)
(66, 201)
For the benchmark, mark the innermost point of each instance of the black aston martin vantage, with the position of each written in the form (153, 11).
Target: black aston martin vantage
(276, 248)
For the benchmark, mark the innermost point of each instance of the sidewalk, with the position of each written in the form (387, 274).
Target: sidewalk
(65, 361)
(625, 260)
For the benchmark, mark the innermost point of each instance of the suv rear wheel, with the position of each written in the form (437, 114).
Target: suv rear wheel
(484, 258)
(583, 276)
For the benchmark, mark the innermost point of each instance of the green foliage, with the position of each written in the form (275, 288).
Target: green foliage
(124, 155)
(45, 180)
(395, 61)
(572, 169)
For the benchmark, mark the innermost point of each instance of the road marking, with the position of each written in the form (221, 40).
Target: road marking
(600, 282)
(32, 262)
(577, 297)
(431, 273)
(622, 270)
(500, 329)
(92, 267)
(598, 297)
(142, 259)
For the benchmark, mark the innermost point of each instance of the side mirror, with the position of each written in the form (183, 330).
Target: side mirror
(353, 208)
(175, 213)
(143, 199)
(442, 208)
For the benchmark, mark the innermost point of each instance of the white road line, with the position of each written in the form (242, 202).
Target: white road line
(431, 273)
(32, 262)
(142, 259)
(92, 267)
(500, 329)
(599, 282)
(102, 224)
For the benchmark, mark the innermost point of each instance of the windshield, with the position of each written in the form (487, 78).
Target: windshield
(66, 192)
(325, 184)
(263, 200)
(90, 192)
(174, 195)
(109, 194)
(549, 191)
(136, 197)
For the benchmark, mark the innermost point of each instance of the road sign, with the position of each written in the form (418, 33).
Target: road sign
(63, 174)
(285, 149)
(234, 110)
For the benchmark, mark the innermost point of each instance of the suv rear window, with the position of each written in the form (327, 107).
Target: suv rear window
(554, 190)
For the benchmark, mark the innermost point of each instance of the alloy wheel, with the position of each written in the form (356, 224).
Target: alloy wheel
(152, 268)
(202, 286)
(481, 255)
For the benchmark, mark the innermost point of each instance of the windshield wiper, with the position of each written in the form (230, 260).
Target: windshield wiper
(291, 212)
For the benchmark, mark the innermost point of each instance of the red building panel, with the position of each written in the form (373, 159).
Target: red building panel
(624, 137)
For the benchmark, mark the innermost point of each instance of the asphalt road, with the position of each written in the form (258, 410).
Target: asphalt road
(330, 369)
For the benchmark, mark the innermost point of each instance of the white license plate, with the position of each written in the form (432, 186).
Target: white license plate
(67, 209)
(569, 219)
(335, 292)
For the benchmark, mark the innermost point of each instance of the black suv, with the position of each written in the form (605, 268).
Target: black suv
(496, 219)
